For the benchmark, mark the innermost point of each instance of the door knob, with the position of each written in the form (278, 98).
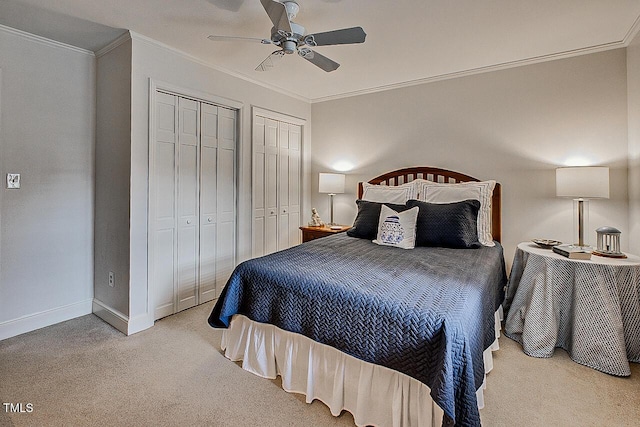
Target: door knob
(188, 221)
(209, 219)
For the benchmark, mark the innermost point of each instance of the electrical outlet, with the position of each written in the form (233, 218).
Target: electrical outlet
(112, 279)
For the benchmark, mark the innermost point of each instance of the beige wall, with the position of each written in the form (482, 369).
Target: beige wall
(113, 169)
(47, 122)
(633, 90)
(515, 126)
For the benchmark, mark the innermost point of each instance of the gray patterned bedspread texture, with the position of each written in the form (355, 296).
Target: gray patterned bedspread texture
(425, 312)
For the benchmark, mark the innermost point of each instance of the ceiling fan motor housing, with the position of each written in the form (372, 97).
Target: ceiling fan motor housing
(288, 41)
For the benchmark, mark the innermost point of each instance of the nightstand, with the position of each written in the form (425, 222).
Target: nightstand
(588, 307)
(311, 233)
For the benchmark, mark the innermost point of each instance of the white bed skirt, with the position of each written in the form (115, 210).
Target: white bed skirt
(375, 395)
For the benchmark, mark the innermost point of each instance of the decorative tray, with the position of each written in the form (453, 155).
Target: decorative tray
(546, 243)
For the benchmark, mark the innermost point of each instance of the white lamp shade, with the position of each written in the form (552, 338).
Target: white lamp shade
(332, 183)
(589, 182)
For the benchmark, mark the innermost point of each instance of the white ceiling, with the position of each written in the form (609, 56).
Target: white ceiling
(407, 40)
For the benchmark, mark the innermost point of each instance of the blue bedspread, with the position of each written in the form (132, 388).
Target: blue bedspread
(426, 312)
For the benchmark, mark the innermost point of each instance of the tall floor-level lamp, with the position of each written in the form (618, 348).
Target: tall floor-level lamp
(331, 183)
(582, 184)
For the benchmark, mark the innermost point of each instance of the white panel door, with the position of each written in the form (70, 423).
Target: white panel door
(193, 202)
(271, 186)
(226, 213)
(283, 185)
(276, 187)
(188, 202)
(258, 187)
(208, 201)
(294, 185)
(163, 257)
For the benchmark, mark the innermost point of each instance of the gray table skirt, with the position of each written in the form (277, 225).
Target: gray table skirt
(591, 309)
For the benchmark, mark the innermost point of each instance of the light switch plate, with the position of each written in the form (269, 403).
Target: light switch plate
(13, 180)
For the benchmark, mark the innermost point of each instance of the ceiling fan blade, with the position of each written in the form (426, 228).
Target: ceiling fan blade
(278, 14)
(235, 38)
(271, 61)
(344, 36)
(318, 60)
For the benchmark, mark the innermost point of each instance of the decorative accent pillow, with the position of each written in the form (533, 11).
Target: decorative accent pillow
(387, 193)
(366, 224)
(397, 228)
(448, 225)
(448, 193)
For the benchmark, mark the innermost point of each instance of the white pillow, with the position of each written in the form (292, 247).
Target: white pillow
(388, 194)
(397, 228)
(417, 183)
(448, 193)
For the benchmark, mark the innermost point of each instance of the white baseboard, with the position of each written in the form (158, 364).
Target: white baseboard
(140, 323)
(111, 316)
(120, 321)
(31, 322)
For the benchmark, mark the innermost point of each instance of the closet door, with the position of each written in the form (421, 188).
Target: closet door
(188, 202)
(163, 257)
(276, 185)
(208, 201)
(288, 185)
(192, 242)
(283, 186)
(226, 194)
(271, 186)
(258, 187)
(294, 177)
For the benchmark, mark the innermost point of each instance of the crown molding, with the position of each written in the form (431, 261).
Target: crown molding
(114, 44)
(489, 68)
(44, 40)
(633, 31)
(145, 39)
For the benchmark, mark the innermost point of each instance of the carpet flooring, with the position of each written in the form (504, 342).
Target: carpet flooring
(85, 373)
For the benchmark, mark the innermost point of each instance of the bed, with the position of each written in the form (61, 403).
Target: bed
(396, 337)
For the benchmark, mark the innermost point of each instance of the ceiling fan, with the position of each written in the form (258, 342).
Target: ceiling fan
(292, 37)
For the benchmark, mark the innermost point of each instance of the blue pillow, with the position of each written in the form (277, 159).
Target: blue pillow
(448, 225)
(366, 224)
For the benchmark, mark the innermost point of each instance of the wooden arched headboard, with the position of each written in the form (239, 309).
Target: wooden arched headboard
(402, 176)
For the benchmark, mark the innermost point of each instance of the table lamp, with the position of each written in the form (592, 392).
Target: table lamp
(331, 183)
(581, 184)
